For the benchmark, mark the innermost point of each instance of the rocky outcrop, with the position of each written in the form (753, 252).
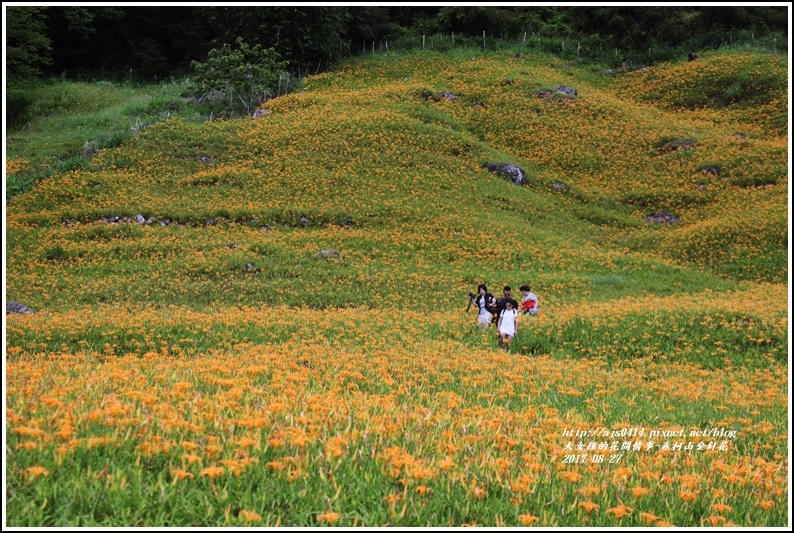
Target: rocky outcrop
(662, 217)
(569, 91)
(333, 253)
(15, 308)
(509, 172)
(673, 146)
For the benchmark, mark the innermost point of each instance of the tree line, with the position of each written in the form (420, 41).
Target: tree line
(150, 42)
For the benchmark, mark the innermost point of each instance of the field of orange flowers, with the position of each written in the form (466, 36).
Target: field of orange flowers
(282, 340)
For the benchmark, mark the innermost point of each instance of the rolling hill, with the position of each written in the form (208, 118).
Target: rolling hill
(264, 318)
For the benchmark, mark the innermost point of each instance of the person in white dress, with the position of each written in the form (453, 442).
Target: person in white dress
(485, 303)
(508, 325)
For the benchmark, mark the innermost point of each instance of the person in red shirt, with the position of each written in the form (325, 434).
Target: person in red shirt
(529, 305)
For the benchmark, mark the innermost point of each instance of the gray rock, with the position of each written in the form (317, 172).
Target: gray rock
(662, 217)
(557, 186)
(14, 308)
(261, 113)
(139, 219)
(677, 145)
(570, 91)
(304, 221)
(90, 149)
(328, 254)
(448, 96)
(713, 171)
(250, 267)
(511, 173)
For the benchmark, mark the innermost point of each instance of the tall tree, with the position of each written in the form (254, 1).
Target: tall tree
(151, 40)
(300, 35)
(369, 23)
(162, 40)
(27, 45)
(473, 20)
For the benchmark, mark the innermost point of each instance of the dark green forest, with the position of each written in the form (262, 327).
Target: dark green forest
(146, 43)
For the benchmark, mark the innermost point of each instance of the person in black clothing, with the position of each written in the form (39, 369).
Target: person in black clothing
(501, 303)
(486, 304)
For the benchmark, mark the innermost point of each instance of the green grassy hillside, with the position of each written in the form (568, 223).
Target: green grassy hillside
(228, 293)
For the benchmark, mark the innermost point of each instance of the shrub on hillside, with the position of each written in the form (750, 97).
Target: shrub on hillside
(244, 74)
(18, 101)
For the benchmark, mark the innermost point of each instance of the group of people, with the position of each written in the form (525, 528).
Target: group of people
(504, 311)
